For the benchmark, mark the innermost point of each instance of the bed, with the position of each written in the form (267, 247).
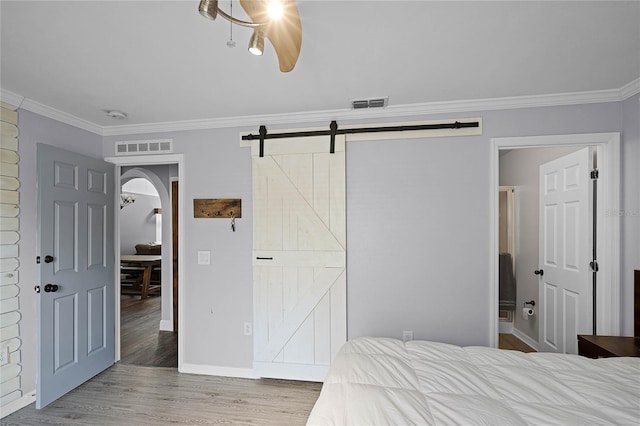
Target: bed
(378, 381)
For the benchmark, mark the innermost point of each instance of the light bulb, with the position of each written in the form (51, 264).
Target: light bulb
(275, 9)
(256, 42)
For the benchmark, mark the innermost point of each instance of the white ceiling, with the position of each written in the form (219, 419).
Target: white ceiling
(160, 61)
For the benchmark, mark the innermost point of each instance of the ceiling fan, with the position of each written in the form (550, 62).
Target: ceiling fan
(277, 20)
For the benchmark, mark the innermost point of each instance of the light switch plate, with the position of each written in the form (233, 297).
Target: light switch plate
(204, 257)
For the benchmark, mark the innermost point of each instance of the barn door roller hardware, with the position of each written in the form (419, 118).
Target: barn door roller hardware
(333, 131)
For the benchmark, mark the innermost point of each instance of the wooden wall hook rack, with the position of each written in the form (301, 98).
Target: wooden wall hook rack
(217, 208)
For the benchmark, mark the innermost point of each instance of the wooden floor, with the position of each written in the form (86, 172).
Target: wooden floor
(142, 343)
(134, 395)
(511, 342)
(128, 394)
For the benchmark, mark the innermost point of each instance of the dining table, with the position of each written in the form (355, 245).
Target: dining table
(147, 263)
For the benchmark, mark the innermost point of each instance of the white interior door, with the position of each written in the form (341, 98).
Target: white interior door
(76, 300)
(565, 252)
(299, 257)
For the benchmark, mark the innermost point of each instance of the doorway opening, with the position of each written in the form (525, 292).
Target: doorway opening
(149, 327)
(520, 240)
(607, 233)
(146, 324)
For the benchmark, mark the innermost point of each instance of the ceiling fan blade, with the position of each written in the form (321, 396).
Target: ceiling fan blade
(284, 34)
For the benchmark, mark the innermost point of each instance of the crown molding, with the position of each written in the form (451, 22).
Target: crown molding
(63, 117)
(630, 89)
(49, 112)
(11, 98)
(419, 109)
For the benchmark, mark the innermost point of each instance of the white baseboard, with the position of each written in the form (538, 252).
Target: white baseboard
(273, 370)
(19, 403)
(528, 340)
(214, 370)
(166, 325)
(505, 327)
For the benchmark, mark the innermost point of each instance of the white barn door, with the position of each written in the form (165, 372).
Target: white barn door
(565, 251)
(299, 257)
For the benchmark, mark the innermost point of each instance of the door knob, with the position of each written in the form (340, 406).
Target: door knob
(48, 259)
(539, 272)
(50, 288)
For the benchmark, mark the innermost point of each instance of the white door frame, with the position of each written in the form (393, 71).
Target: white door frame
(152, 160)
(608, 310)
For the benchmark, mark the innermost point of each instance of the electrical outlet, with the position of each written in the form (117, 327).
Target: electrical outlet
(4, 355)
(407, 335)
(248, 329)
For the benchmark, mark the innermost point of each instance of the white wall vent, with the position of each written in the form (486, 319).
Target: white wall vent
(370, 103)
(157, 146)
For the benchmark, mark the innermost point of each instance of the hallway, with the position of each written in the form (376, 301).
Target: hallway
(142, 343)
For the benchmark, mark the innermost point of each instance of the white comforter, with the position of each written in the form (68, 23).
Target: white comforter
(378, 381)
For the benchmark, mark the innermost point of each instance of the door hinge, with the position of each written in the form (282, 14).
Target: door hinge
(594, 174)
(38, 260)
(594, 266)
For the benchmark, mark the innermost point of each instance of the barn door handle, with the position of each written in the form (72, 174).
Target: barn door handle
(539, 272)
(50, 288)
(264, 258)
(48, 259)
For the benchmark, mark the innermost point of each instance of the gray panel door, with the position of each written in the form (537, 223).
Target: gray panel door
(76, 318)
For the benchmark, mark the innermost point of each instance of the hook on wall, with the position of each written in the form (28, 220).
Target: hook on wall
(207, 208)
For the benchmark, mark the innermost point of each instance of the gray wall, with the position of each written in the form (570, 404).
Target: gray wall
(417, 239)
(418, 219)
(520, 168)
(37, 129)
(417, 225)
(630, 207)
(138, 223)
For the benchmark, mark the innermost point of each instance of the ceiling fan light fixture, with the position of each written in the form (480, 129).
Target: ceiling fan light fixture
(208, 9)
(256, 43)
(277, 20)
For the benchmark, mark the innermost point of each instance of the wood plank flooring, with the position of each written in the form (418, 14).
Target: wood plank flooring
(142, 343)
(511, 342)
(138, 395)
(134, 395)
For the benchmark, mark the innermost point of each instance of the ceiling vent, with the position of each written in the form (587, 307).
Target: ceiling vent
(370, 103)
(159, 146)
